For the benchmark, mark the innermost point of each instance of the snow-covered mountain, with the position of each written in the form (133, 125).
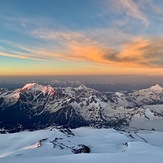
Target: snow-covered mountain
(36, 106)
(152, 95)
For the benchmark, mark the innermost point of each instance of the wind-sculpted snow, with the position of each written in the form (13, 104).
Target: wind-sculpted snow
(36, 106)
(100, 145)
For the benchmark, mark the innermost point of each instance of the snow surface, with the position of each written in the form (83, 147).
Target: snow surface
(149, 114)
(107, 145)
(140, 122)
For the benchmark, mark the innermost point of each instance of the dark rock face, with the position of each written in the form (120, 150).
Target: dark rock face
(14, 116)
(68, 116)
(65, 129)
(81, 149)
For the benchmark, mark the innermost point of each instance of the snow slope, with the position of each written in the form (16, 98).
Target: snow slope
(107, 145)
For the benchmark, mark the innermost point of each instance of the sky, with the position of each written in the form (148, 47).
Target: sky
(81, 37)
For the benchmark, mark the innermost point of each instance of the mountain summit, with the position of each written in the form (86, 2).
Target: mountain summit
(36, 106)
(157, 89)
(37, 87)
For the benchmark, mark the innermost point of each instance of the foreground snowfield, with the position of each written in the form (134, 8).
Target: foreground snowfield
(107, 145)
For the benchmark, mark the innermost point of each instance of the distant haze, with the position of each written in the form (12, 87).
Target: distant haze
(101, 82)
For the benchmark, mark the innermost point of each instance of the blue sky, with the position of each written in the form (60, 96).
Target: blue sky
(53, 37)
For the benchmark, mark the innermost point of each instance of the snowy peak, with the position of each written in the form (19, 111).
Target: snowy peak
(156, 89)
(30, 86)
(37, 87)
(82, 87)
(119, 94)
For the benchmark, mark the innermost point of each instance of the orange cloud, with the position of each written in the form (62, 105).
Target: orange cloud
(140, 52)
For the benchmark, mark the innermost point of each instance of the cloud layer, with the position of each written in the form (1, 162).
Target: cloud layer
(128, 37)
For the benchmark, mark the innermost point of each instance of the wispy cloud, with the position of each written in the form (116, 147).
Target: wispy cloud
(130, 9)
(140, 52)
(20, 51)
(77, 46)
(107, 45)
(19, 55)
(152, 6)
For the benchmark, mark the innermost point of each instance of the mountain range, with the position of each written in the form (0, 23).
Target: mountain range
(35, 106)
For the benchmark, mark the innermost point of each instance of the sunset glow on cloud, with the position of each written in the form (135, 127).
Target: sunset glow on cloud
(58, 37)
